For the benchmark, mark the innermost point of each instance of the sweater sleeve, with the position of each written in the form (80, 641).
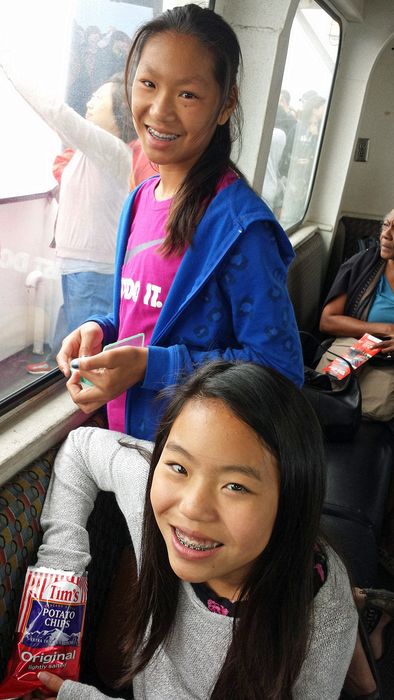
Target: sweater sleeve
(252, 281)
(91, 459)
(333, 638)
(100, 146)
(71, 690)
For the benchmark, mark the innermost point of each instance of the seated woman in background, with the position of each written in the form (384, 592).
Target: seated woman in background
(361, 300)
(226, 529)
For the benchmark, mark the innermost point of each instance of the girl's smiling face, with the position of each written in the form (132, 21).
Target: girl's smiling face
(215, 495)
(176, 101)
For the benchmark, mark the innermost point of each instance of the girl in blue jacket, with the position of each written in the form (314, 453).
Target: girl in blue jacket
(201, 262)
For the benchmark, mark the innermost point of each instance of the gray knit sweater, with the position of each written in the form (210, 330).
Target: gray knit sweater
(91, 459)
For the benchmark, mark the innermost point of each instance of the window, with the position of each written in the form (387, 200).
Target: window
(57, 55)
(302, 112)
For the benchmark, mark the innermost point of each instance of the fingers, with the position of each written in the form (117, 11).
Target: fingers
(88, 399)
(95, 369)
(85, 340)
(91, 398)
(50, 681)
(69, 349)
(62, 359)
(89, 363)
(91, 339)
(111, 372)
(386, 346)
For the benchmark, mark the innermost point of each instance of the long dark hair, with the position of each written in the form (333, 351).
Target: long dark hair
(270, 637)
(199, 185)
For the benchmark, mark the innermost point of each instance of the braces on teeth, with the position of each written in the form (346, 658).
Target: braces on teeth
(164, 137)
(195, 546)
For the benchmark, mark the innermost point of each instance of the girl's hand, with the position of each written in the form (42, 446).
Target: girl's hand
(52, 682)
(85, 340)
(111, 372)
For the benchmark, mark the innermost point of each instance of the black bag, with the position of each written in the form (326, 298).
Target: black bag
(337, 404)
(381, 360)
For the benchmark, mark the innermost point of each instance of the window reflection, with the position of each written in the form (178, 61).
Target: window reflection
(301, 113)
(65, 108)
(94, 57)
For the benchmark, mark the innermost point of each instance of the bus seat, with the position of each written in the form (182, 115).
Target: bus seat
(358, 478)
(305, 280)
(356, 544)
(359, 234)
(20, 538)
(352, 235)
(21, 502)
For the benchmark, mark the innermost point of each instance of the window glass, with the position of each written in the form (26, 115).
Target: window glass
(302, 111)
(65, 170)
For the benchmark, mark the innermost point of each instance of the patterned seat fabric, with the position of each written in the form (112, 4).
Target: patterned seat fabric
(21, 502)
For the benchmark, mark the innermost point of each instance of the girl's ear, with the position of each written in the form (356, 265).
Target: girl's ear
(229, 107)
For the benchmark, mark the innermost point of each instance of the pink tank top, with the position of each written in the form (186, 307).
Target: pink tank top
(146, 275)
(146, 278)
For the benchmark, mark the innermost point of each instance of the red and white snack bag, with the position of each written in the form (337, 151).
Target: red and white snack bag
(49, 630)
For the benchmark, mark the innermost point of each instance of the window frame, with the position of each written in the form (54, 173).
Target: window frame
(330, 11)
(21, 396)
(24, 394)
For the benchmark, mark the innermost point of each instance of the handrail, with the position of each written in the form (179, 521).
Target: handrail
(28, 197)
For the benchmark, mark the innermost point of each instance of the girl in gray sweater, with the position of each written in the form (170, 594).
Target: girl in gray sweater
(237, 596)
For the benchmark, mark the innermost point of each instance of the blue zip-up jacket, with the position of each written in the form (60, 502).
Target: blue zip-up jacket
(228, 299)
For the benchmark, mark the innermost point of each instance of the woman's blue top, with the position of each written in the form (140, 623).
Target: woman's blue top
(382, 309)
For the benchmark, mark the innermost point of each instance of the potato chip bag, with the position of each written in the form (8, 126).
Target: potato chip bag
(49, 630)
